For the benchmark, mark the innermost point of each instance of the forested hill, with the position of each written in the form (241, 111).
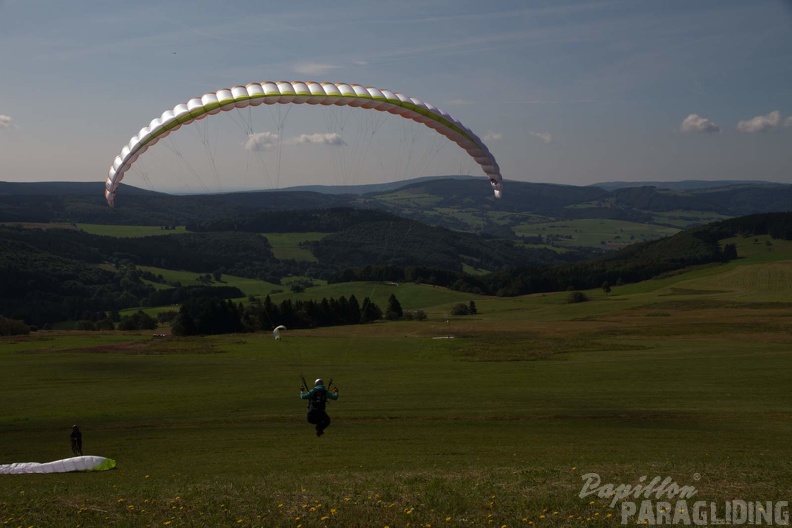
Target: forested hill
(57, 274)
(427, 201)
(643, 261)
(330, 220)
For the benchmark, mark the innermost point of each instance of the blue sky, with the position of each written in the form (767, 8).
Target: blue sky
(564, 92)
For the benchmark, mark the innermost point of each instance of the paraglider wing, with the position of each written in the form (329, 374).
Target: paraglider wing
(298, 92)
(277, 331)
(67, 465)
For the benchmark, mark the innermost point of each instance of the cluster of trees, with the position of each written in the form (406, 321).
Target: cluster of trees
(10, 327)
(113, 321)
(181, 294)
(464, 309)
(40, 287)
(205, 315)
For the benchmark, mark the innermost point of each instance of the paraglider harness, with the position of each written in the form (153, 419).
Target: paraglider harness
(318, 400)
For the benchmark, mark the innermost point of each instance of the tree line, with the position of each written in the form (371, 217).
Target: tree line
(204, 315)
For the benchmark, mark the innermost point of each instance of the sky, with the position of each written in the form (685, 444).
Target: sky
(569, 92)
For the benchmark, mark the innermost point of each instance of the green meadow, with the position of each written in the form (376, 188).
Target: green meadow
(595, 233)
(129, 231)
(286, 246)
(483, 420)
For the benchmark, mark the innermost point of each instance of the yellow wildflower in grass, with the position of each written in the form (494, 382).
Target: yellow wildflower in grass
(448, 519)
(324, 518)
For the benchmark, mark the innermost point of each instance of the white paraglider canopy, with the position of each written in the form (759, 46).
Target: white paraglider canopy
(67, 465)
(309, 93)
(276, 332)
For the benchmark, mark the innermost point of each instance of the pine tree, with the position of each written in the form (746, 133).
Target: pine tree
(394, 310)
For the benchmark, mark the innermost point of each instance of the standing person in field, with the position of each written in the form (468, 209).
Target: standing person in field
(76, 440)
(317, 401)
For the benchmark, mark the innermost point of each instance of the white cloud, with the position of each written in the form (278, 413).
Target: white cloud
(492, 136)
(331, 138)
(261, 141)
(696, 123)
(6, 121)
(546, 137)
(264, 141)
(314, 68)
(761, 123)
(788, 121)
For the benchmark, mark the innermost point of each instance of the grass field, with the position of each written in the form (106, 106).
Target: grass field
(286, 246)
(190, 278)
(684, 377)
(129, 231)
(594, 233)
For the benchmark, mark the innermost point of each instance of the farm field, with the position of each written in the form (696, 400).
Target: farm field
(129, 231)
(562, 234)
(189, 278)
(594, 233)
(286, 246)
(485, 420)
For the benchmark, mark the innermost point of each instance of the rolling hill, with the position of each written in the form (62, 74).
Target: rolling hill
(462, 204)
